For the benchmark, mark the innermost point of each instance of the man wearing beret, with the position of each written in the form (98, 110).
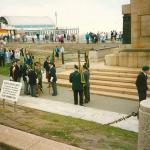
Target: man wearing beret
(141, 83)
(77, 87)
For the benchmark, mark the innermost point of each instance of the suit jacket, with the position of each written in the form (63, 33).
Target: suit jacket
(87, 78)
(52, 73)
(141, 82)
(32, 77)
(75, 79)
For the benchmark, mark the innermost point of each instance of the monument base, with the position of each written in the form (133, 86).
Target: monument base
(133, 58)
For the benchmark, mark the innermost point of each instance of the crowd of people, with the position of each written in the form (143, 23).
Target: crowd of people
(24, 68)
(103, 37)
(37, 37)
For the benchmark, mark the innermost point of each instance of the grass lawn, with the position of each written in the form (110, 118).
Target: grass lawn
(5, 70)
(77, 132)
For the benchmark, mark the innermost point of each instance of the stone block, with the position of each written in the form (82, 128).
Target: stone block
(126, 9)
(145, 25)
(123, 59)
(144, 125)
(142, 59)
(132, 59)
(93, 56)
(111, 60)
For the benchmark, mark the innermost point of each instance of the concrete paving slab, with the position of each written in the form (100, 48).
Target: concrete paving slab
(27, 141)
(46, 144)
(16, 138)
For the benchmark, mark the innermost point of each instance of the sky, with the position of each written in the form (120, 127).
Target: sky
(88, 15)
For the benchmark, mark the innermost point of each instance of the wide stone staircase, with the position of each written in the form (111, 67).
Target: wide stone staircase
(114, 82)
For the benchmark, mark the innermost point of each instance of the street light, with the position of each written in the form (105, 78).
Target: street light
(56, 19)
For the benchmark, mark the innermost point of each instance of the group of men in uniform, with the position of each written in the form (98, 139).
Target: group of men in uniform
(80, 85)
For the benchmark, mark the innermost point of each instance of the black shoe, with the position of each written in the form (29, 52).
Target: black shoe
(54, 94)
(81, 105)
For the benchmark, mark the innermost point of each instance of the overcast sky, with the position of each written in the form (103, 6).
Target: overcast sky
(89, 15)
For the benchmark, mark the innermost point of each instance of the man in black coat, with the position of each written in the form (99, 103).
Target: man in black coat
(86, 86)
(141, 83)
(32, 81)
(77, 86)
(53, 78)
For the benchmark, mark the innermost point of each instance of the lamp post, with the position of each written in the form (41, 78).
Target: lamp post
(56, 19)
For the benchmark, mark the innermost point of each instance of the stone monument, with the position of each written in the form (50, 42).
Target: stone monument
(144, 126)
(136, 31)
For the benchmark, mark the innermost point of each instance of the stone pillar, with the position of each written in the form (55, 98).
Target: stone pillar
(144, 126)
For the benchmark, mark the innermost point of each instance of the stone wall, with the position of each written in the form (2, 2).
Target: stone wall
(140, 22)
(132, 58)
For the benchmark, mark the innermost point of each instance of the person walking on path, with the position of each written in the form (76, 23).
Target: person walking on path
(77, 86)
(86, 86)
(53, 78)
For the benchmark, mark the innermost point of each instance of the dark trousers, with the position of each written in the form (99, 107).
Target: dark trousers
(142, 95)
(33, 90)
(87, 93)
(54, 87)
(2, 61)
(76, 97)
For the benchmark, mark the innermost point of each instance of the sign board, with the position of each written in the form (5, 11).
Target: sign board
(10, 90)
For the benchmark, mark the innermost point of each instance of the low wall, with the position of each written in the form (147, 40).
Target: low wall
(134, 58)
(97, 55)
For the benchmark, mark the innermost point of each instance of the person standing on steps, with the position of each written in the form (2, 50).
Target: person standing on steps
(53, 78)
(77, 86)
(86, 86)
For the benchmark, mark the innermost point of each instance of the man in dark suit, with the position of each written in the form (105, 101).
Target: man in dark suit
(32, 81)
(77, 87)
(86, 86)
(53, 78)
(141, 83)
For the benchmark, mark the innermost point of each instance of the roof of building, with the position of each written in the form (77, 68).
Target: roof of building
(28, 20)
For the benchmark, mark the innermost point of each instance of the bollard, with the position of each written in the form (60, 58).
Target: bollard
(144, 125)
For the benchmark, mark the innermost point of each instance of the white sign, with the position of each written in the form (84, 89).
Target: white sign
(10, 90)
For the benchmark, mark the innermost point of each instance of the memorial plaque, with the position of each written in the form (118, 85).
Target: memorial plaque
(10, 90)
(127, 29)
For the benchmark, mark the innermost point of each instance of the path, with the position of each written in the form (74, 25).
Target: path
(101, 109)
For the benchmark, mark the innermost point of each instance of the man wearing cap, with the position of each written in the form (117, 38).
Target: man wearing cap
(77, 87)
(141, 83)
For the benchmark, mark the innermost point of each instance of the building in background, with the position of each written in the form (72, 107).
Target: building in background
(30, 25)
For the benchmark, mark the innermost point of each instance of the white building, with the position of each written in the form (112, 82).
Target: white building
(30, 25)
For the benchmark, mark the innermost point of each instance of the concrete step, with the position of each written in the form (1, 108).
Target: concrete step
(103, 78)
(114, 89)
(113, 74)
(118, 90)
(117, 70)
(117, 95)
(113, 84)
(66, 83)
